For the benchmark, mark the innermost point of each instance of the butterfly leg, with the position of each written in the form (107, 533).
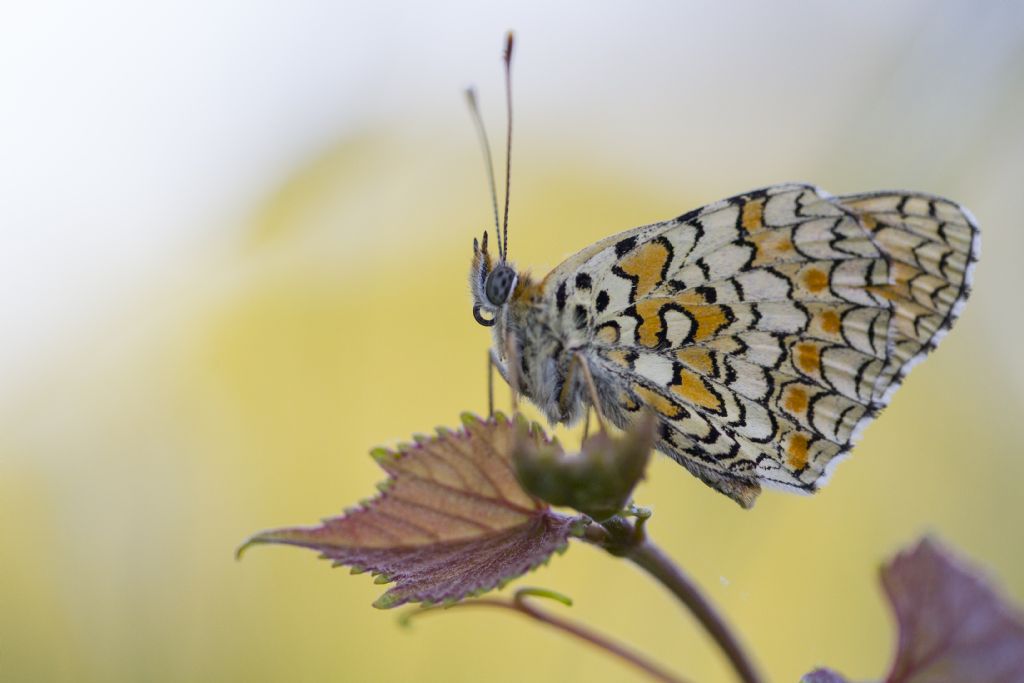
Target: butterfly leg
(490, 383)
(579, 361)
(511, 372)
(494, 363)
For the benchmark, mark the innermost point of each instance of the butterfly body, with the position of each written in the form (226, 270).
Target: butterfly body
(765, 330)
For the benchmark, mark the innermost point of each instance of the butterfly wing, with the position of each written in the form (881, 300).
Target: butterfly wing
(767, 329)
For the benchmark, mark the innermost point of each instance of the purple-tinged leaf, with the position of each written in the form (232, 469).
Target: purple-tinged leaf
(823, 676)
(450, 521)
(953, 628)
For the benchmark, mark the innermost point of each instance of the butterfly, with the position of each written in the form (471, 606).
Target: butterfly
(765, 330)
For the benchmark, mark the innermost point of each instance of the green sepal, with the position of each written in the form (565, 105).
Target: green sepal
(599, 480)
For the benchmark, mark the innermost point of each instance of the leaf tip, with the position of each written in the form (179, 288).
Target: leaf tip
(383, 456)
(388, 600)
(433, 571)
(255, 539)
(240, 550)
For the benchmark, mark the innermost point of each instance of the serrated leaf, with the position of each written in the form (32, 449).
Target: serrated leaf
(451, 520)
(953, 627)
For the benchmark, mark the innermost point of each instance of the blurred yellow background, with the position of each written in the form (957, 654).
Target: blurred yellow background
(236, 241)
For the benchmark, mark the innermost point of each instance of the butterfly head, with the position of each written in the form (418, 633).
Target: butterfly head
(492, 283)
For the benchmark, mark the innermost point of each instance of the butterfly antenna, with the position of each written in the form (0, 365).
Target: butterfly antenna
(509, 41)
(474, 110)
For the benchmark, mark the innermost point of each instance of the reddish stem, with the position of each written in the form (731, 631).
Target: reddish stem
(520, 604)
(623, 539)
(652, 560)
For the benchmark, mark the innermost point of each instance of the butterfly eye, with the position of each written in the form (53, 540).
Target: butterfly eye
(499, 285)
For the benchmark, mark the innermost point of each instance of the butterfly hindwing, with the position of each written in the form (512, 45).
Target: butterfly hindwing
(768, 328)
(933, 245)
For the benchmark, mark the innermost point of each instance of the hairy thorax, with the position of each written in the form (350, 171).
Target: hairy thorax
(548, 353)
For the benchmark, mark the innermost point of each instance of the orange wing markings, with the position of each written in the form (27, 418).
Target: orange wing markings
(828, 321)
(808, 357)
(764, 328)
(796, 449)
(655, 400)
(932, 244)
(795, 399)
(771, 246)
(650, 328)
(695, 389)
(816, 280)
(697, 358)
(646, 265)
(620, 357)
(709, 318)
(705, 320)
(752, 217)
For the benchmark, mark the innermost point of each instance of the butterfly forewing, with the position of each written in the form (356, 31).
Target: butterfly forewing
(768, 328)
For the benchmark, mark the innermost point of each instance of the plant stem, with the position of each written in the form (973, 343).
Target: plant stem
(623, 539)
(651, 559)
(520, 604)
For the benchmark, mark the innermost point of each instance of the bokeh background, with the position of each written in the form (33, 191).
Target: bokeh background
(235, 239)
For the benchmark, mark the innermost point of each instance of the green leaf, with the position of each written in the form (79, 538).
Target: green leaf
(451, 520)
